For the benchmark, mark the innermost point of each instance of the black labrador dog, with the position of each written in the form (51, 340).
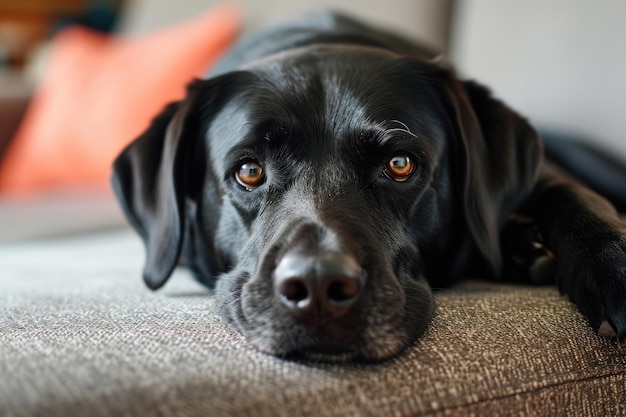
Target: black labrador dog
(328, 174)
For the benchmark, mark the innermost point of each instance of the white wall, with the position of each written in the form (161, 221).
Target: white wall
(560, 62)
(423, 19)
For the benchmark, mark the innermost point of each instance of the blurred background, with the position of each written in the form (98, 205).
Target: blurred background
(559, 62)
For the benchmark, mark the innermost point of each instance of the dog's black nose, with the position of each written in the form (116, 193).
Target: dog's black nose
(316, 287)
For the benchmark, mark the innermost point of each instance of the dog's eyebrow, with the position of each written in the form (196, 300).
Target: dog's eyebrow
(402, 128)
(275, 132)
(389, 129)
(272, 130)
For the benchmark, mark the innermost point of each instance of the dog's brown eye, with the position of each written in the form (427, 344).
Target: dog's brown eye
(399, 168)
(250, 175)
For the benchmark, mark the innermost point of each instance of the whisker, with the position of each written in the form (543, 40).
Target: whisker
(404, 125)
(403, 129)
(227, 301)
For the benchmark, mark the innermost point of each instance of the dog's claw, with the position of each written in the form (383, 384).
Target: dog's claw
(543, 270)
(606, 330)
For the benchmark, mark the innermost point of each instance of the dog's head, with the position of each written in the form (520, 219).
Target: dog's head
(314, 188)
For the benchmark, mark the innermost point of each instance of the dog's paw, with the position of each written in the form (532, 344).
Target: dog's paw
(594, 278)
(525, 257)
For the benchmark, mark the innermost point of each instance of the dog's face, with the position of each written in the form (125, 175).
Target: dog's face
(323, 178)
(311, 188)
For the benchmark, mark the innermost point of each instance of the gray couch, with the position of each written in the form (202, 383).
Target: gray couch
(81, 336)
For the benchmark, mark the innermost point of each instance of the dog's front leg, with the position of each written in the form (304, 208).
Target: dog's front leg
(588, 238)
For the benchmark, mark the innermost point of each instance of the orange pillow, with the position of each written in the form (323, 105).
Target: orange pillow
(100, 92)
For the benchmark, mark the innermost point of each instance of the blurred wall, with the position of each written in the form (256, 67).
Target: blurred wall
(426, 20)
(560, 62)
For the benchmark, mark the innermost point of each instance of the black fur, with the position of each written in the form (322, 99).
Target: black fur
(322, 105)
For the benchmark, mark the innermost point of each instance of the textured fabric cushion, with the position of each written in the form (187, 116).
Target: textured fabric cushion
(81, 336)
(100, 92)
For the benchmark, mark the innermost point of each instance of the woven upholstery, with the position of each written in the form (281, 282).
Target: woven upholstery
(81, 336)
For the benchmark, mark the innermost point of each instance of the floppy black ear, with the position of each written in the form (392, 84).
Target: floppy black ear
(150, 181)
(501, 158)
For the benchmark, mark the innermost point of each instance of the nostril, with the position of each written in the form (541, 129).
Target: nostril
(342, 289)
(294, 290)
